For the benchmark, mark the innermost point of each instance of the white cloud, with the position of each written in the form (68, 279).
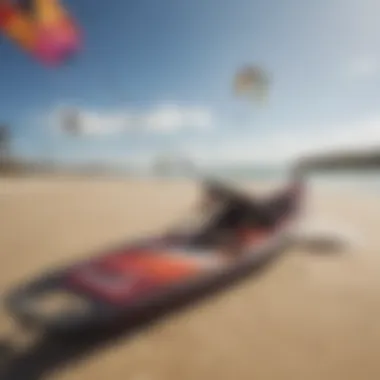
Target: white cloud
(162, 119)
(172, 118)
(96, 123)
(363, 67)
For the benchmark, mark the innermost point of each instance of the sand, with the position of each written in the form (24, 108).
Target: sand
(307, 316)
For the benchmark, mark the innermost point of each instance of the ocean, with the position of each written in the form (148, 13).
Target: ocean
(368, 180)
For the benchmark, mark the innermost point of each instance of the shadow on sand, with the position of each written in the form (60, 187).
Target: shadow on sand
(51, 353)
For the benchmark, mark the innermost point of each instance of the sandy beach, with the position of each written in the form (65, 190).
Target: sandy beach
(308, 316)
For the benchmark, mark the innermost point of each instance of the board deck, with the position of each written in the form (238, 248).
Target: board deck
(121, 282)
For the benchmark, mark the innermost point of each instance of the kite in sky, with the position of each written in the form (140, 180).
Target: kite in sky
(252, 83)
(43, 28)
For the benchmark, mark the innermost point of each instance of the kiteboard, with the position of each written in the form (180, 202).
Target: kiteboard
(122, 282)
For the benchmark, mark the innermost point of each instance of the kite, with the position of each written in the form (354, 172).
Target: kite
(70, 122)
(43, 28)
(252, 82)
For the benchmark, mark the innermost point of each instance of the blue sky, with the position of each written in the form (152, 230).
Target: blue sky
(171, 64)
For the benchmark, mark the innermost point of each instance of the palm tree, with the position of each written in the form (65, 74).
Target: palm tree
(4, 144)
(4, 148)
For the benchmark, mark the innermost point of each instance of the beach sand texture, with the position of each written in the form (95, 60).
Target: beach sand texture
(307, 316)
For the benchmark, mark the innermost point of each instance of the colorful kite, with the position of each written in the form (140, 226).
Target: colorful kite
(41, 27)
(252, 82)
